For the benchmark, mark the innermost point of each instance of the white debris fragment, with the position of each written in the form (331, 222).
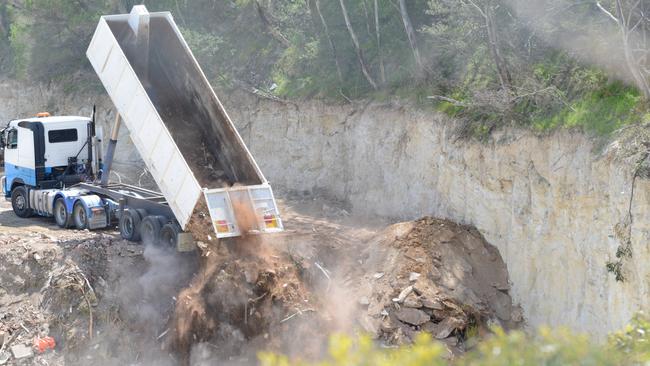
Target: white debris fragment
(402, 295)
(414, 276)
(21, 351)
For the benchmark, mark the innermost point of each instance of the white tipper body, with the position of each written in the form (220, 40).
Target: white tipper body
(159, 150)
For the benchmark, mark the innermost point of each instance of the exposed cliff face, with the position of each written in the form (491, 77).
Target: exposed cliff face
(549, 204)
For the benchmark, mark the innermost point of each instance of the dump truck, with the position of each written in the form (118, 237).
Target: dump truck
(54, 165)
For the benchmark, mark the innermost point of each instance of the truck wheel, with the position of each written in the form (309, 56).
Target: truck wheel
(169, 235)
(20, 202)
(129, 225)
(79, 216)
(150, 230)
(61, 214)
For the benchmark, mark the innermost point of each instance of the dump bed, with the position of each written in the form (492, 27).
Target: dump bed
(177, 123)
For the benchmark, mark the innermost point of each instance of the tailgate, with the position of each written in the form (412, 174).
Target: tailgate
(245, 209)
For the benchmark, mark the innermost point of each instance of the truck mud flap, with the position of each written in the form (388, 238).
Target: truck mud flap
(255, 208)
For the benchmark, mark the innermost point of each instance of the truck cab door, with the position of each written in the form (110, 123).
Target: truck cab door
(11, 146)
(19, 157)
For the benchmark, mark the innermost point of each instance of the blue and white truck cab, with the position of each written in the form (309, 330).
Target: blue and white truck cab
(45, 152)
(43, 157)
(53, 168)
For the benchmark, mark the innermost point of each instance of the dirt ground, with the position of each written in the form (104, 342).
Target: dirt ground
(106, 301)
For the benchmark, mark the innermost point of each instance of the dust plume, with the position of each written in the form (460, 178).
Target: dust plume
(581, 29)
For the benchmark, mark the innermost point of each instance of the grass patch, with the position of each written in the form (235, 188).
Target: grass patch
(601, 112)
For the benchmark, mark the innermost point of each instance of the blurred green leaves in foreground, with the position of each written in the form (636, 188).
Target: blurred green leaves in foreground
(630, 346)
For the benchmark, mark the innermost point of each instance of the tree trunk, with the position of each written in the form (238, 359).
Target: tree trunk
(632, 64)
(367, 17)
(3, 19)
(410, 33)
(382, 71)
(357, 47)
(493, 41)
(326, 30)
(270, 27)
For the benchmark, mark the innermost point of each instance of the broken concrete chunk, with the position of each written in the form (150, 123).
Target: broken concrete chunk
(378, 275)
(412, 301)
(429, 327)
(402, 295)
(425, 288)
(432, 304)
(412, 316)
(414, 276)
(447, 326)
(21, 351)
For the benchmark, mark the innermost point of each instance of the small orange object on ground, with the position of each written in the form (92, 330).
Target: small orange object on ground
(44, 344)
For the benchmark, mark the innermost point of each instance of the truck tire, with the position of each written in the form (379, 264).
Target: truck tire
(79, 216)
(169, 235)
(20, 202)
(150, 230)
(129, 225)
(61, 215)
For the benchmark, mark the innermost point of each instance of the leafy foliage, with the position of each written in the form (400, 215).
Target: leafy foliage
(546, 64)
(630, 346)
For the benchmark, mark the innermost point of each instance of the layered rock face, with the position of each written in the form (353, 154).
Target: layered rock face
(549, 204)
(556, 207)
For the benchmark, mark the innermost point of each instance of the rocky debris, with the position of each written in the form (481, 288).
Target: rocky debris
(403, 294)
(21, 351)
(101, 299)
(414, 276)
(56, 293)
(412, 316)
(437, 277)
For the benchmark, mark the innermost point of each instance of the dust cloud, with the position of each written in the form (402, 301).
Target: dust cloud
(597, 41)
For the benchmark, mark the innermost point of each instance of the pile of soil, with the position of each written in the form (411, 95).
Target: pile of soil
(265, 293)
(434, 276)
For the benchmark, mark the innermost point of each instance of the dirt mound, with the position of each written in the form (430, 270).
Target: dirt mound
(433, 276)
(274, 292)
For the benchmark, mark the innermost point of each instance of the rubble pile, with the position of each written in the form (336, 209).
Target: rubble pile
(61, 299)
(81, 297)
(437, 277)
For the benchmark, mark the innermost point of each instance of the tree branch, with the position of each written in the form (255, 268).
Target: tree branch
(607, 12)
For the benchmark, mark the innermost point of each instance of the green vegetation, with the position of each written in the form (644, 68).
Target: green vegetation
(601, 111)
(488, 63)
(630, 346)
